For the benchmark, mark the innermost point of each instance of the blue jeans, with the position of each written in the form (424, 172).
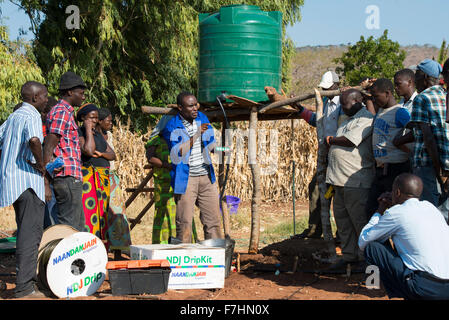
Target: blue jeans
(432, 190)
(400, 281)
(431, 187)
(444, 207)
(51, 211)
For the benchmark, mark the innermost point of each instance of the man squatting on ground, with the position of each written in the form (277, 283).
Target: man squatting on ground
(417, 266)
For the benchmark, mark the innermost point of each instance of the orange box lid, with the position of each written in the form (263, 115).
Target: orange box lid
(137, 264)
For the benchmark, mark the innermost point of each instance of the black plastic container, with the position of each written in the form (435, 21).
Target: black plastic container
(143, 280)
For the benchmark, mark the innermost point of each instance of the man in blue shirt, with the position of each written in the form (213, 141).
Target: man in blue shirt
(190, 139)
(417, 267)
(22, 182)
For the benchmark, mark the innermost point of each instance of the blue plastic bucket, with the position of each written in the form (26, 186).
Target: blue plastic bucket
(232, 203)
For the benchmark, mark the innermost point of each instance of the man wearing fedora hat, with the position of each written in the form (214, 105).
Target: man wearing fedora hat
(62, 140)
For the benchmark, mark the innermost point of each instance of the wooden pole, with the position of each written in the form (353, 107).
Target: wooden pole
(321, 180)
(289, 101)
(280, 105)
(255, 170)
(237, 114)
(158, 110)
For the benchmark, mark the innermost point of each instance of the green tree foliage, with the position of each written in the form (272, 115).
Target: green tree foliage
(132, 52)
(374, 58)
(16, 67)
(442, 55)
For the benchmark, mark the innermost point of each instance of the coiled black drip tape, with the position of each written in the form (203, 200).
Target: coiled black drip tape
(42, 263)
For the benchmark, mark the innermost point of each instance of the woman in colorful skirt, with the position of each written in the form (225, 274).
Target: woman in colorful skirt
(158, 155)
(96, 155)
(118, 227)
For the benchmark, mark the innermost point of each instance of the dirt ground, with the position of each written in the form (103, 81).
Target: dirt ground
(252, 276)
(257, 279)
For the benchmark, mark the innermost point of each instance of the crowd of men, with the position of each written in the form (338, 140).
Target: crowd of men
(25, 181)
(386, 161)
(28, 186)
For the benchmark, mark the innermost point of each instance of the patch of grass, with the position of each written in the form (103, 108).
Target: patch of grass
(284, 230)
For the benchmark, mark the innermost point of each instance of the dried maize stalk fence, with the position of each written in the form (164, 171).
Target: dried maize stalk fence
(130, 150)
(278, 146)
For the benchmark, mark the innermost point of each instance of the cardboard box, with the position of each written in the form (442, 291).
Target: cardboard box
(193, 266)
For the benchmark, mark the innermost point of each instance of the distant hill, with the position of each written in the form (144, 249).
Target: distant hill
(311, 62)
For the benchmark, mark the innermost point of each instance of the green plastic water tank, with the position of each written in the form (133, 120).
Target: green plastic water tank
(240, 53)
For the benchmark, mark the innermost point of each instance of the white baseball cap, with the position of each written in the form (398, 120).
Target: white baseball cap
(328, 79)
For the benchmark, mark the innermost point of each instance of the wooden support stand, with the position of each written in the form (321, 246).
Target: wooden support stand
(242, 110)
(135, 192)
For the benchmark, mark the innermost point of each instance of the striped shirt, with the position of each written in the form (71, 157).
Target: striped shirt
(196, 160)
(16, 175)
(430, 107)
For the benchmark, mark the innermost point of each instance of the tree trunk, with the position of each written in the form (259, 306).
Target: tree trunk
(255, 170)
(321, 180)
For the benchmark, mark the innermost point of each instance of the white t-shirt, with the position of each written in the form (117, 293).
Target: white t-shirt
(331, 111)
(387, 124)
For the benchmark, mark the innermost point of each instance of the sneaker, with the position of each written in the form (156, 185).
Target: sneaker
(34, 294)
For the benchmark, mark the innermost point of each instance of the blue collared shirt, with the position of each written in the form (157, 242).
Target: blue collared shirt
(175, 134)
(419, 233)
(16, 174)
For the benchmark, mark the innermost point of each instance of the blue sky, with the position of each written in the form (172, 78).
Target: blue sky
(336, 22)
(343, 21)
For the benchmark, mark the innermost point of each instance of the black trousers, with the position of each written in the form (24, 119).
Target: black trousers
(69, 194)
(29, 211)
(314, 205)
